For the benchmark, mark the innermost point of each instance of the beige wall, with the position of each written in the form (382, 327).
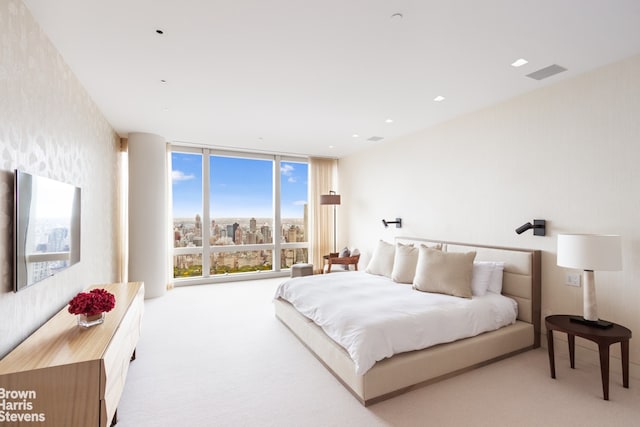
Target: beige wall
(568, 153)
(50, 127)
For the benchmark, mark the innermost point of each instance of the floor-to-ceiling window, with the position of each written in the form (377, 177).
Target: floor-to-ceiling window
(237, 213)
(186, 177)
(294, 213)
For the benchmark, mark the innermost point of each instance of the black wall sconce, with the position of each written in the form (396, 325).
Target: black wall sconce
(539, 227)
(397, 222)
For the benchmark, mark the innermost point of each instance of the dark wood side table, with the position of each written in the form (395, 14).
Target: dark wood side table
(603, 337)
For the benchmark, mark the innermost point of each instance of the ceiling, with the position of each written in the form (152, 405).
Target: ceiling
(304, 77)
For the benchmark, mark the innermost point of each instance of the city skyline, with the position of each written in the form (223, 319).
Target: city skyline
(188, 232)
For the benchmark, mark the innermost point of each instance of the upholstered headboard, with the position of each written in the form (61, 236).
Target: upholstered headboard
(521, 278)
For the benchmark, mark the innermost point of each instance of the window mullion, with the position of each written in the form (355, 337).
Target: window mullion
(206, 215)
(277, 216)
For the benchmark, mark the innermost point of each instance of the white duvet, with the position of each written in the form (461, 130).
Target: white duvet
(373, 318)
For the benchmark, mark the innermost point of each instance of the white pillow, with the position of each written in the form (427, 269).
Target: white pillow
(382, 260)
(487, 277)
(404, 263)
(495, 284)
(344, 252)
(482, 271)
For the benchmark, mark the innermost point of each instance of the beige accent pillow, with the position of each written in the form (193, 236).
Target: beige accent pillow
(405, 262)
(382, 260)
(444, 272)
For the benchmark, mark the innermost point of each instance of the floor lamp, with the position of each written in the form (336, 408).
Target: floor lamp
(331, 199)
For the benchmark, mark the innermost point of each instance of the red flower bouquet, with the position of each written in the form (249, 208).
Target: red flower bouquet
(93, 302)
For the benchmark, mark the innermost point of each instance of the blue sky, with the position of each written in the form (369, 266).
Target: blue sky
(239, 187)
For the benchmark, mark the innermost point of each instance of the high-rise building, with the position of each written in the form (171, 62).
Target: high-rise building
(237, 234)
(252, 225)
(306, 222)
(266, 234)
(198, 231)
(57, 240)
(292, 234)
(215, 230)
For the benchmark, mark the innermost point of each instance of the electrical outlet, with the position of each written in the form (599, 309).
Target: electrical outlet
(572, 279)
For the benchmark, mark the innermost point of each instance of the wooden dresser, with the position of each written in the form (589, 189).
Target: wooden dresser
(64, 375)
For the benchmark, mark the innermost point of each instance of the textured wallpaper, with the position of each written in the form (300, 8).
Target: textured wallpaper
(49, 126)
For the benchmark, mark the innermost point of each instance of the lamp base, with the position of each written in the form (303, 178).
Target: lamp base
(602, 324)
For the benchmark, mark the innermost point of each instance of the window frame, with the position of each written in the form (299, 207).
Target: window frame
(208, 250)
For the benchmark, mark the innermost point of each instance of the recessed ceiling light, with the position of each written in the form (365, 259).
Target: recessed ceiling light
(519, 62)
(439, 98)
(331, 146)
(389, 121)
(355, 135)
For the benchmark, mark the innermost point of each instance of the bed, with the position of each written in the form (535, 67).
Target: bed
(410, 369)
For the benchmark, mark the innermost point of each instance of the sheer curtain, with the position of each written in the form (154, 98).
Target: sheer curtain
(123, 214)
(323, 174)
(169, 216)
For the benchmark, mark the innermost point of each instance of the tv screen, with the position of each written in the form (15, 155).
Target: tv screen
(46, 228)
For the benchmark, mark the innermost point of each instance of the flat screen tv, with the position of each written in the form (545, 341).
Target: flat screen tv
(46, 228)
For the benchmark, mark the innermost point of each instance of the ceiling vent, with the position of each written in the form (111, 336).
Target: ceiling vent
(375, 139)
(545, 72)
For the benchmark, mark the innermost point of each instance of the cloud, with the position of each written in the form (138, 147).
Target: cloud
(286, 169)
(300, 202)
(177, 175)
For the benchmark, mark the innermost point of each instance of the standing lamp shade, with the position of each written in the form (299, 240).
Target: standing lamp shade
(331, 199)
(590, 252)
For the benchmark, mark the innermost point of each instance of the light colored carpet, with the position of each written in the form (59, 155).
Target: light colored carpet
(215, 355)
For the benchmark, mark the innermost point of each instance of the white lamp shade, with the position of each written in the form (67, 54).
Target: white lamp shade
(590, 252)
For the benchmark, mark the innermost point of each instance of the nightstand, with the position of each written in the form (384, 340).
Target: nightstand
(603, 337)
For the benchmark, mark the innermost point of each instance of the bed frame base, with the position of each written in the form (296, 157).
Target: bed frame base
(407, 371)
(429, 381)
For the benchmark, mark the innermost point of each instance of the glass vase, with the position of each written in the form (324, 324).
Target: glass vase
(89, 321)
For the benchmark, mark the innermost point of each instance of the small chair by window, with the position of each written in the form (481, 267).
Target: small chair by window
(342, 261)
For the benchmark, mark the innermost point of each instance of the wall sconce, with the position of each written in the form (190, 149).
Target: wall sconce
(539, 227)
(397, 222)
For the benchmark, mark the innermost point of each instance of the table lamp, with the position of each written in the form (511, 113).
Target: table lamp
(590, 252)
